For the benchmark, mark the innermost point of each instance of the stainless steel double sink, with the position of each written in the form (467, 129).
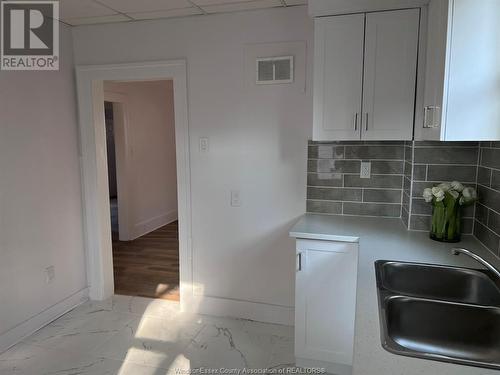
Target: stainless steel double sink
(440, 313)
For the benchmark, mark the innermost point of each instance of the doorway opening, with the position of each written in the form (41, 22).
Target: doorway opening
(142, 185)
(97, 226)
(111, 155)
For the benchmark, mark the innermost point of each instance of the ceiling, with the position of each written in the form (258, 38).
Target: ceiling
(84, 12)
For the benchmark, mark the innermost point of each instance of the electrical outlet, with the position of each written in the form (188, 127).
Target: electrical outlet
(50, 274)
(235, 198)
(366, 169)
(204, 145)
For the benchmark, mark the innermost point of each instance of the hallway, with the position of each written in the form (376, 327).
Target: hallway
(149, 265)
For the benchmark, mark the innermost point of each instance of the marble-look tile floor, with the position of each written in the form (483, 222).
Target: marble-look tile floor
(142, 336)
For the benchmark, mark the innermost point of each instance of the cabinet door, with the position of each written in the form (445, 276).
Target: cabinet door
(338, 77)
(473, 80)
(325, 301)
(390, 72)
(437, 40)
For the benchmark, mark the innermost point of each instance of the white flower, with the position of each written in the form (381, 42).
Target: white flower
(469, 195)
(438, 192)
(455, 185)
(454, 194)
(445, 186)
(427, 195)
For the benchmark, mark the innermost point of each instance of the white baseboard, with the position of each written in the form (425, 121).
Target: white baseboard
(225, 307)
(149, 225)
(26, 328)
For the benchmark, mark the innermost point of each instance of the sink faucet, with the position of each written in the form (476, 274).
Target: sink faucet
(477, 258)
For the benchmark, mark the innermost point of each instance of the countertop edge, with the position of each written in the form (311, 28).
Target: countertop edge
(323, 237)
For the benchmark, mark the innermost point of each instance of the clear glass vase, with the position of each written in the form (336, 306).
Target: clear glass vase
(446, 222)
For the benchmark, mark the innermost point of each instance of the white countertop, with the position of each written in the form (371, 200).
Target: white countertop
(385, 238)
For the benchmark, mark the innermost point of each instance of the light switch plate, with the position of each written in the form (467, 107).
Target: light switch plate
(235, 198)
(50, 274)
(366, 169)
(204, 144)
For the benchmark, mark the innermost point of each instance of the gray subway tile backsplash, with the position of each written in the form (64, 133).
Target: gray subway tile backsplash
(335, 194)
(387, 167)
(324, 207)
(484, 176)
(487, 224)
(392, 152)
(400, 173)
(325, 179)
(446, 155)
(372, 209)
(482, 213)
(494, 221)
(495, 179)
(489, 238)
(382, 195)
(376, 181)
(462, 173)
(489, 158)
(334, 166)
(325, 151)
(335, 187)
(489, 197)
(419, 172)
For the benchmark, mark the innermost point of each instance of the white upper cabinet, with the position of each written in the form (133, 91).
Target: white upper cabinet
(462, 94)
(365, 76)
(338, 77)
(390, 72)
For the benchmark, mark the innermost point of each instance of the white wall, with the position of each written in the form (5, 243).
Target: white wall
(40, 197)
(151, 145)
(258, 139)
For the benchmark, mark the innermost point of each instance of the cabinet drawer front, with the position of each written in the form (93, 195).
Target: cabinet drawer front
(332, 246)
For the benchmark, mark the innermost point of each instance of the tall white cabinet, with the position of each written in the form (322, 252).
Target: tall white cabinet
(325, 304)
(462, 95)
(365, 68)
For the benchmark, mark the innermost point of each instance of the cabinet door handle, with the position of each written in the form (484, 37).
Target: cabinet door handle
(356, 122)
(366, 122)
(299, 261)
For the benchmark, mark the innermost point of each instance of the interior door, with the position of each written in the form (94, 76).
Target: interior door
(390, 70)
(338, 77)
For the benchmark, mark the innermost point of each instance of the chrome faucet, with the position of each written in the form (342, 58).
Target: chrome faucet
(477, 258)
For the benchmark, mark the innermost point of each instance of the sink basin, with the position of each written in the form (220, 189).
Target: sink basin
(441, 313)
(466, 333)
(439, 282)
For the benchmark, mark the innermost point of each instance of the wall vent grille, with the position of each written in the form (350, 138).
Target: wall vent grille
(273, 70)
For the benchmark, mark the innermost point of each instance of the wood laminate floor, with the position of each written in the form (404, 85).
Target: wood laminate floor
(149, 265)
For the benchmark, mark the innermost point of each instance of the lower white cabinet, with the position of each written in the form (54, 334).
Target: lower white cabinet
(325, 304)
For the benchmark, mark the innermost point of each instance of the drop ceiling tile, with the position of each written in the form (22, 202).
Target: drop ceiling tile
(218, 2)
(239, 6)
(143, 6)
(165, 13)
(95, 20)
(82, 8)
(296, 2)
